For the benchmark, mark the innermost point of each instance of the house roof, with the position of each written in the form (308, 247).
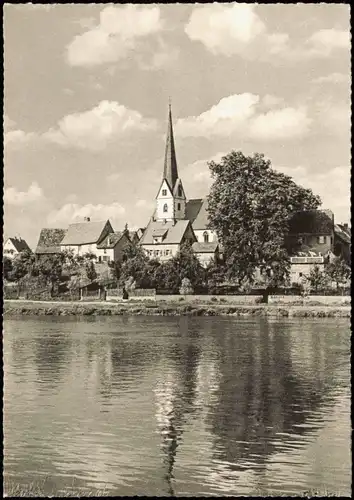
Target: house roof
(342, 233)
(49, 240)
(20, 244)
(110, 240)
(312, 222)
(192, 208)
(159, 232)
(84, 233)
(201, 247)
(174, 234)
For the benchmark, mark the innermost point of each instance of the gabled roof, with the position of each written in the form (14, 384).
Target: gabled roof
(84, 233)
(201, 247)
(317, 222)
(49, 240)
(20, 244)
(110, 240)
(342, 233)
(168, 186)
(175, 233)
(177, 185)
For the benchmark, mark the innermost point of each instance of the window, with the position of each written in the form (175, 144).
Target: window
(321, 240)
(104, 251)
(165, 207)
(331, 240)
(156, 253)
(167, 252)
(179, 191)
(206, 237)
(178, 206)
(300, 275)
(164, 192)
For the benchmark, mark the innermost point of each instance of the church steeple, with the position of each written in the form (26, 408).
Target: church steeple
(170, 199)
(170, 172)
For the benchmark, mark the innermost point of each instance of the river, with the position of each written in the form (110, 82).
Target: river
(177, 406)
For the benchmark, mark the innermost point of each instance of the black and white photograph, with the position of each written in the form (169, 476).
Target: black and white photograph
(176, 250)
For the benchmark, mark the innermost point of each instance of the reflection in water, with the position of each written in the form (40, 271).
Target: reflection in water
(178, 406)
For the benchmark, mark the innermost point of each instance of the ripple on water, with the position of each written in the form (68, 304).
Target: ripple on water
(200, 405)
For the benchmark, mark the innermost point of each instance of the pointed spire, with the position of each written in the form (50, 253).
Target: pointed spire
(170, 172)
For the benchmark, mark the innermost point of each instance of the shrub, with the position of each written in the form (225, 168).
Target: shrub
(186, 287)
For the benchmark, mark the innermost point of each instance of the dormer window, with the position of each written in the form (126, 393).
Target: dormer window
(165, 207)
(164, 192)
(206, 237)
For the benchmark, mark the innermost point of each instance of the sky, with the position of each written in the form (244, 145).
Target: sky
(86, 92)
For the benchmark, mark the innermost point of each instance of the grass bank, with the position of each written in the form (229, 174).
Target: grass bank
(37, 490)
(38, 308)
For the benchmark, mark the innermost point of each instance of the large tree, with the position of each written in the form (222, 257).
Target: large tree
(250, 206)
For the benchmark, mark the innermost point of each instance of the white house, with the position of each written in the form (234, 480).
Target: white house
(83, 237)
(14, 246)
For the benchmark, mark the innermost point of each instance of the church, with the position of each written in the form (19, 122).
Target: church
(176, 219)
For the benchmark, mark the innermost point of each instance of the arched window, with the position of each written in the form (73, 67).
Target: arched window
(206, 237)
(165, 207)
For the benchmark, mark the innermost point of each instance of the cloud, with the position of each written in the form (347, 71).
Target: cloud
(237, 29)
(334, 78)
(72, 212)
(281, 124)
(225, 30)
(222, 119)
(120, 30)
(14, 197)
(93, 129)
(239, 114)
(323, 42)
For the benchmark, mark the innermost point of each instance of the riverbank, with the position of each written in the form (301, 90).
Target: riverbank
(47, 308)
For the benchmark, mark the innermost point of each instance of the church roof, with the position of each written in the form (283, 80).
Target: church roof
(192, 209)
(84, 233)
(197, 213)
(174, 233)
(170, 165)
(201, 247)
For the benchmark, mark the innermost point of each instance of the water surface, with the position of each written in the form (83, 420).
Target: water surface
(177, 406)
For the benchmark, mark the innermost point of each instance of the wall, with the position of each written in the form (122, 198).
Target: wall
(304, 269)
(200, 235)
(311, 299)
(80, 249)
(311, 241)
(160, 202)
(118, 249)
(173, 249)
(104, 252)
(9, 250)
(230, 299)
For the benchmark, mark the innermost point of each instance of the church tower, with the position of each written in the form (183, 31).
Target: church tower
(170, 199)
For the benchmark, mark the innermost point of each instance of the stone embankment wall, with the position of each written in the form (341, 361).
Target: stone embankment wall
(328, 300)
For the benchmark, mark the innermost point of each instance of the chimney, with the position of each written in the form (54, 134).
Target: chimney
(87, 219)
